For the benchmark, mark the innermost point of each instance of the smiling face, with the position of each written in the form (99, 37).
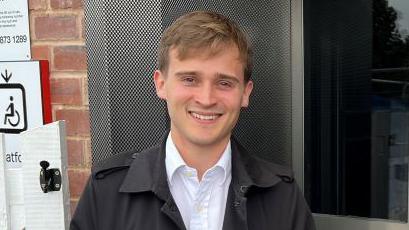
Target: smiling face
(204, 95)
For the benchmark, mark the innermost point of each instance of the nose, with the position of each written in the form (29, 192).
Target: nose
(205, 96)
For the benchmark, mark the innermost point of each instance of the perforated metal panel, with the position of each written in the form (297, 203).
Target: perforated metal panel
(122, 38)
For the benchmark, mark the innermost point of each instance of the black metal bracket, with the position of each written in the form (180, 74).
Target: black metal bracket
(50, 179)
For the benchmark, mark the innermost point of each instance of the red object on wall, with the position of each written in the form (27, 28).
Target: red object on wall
(45, 91)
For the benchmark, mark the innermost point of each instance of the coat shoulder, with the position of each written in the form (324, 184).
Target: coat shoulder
(117, 162)
(285, 173)
(264, 171)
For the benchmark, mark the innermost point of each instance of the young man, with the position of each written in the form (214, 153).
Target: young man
(199, 177)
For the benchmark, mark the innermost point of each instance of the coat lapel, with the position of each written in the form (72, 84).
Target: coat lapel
(148, 173)
(247, 172)
(161, 189)
(235, 216)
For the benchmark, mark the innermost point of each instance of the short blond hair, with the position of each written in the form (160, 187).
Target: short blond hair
(204, 30)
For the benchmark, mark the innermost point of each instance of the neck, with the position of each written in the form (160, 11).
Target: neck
(199, 157)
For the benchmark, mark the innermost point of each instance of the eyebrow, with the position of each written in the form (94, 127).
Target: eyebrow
(219, 75)
(228, 77)
(184, 73)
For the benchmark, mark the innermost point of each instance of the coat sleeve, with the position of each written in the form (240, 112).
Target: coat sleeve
(303, 219)
(85, 216)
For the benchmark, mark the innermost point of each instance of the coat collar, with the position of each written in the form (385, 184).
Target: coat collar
(147, 172)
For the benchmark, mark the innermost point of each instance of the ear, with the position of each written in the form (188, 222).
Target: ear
(248, 88)
(159, 79)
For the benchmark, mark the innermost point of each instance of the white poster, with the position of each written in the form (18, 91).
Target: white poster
(20, 105)
(14, 30)
(21, 109)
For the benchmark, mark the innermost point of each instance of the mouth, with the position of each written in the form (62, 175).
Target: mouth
(205, 116)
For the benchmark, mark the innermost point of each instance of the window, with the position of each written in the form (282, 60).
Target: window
(357, 107)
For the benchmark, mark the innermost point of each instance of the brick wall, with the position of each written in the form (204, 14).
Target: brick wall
(57, 35)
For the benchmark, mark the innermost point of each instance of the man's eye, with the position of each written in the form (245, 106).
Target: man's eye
(225, 84)
(188, 80)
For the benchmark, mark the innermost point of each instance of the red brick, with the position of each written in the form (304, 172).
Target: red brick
(40, 53)
(66, 91)
(37, 4)
(65, 4)
(77, 180)
(56, 27)
(75, 150)
(77, 121)
(83, 27)
(70, 58)
(85, 94)
(73, 206)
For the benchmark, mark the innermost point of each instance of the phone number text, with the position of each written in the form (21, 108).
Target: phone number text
(13, 39)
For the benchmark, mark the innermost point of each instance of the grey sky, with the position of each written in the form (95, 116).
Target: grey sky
(402, 6)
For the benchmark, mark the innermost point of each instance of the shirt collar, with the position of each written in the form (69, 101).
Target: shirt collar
(174, 161)
(225, 162)
(147, 170)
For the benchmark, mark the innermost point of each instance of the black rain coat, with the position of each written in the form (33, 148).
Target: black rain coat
(130, 191)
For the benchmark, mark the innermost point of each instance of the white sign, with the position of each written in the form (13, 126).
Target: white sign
(21, 108)
(14, 30)
(21, 105)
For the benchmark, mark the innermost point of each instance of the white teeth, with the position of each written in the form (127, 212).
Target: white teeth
(204, 117)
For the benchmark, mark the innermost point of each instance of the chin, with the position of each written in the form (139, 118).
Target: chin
(201, 140)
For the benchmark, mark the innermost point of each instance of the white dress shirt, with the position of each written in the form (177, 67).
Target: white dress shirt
(201, 204)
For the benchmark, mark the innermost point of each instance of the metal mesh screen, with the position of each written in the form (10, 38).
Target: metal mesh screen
(122, 38)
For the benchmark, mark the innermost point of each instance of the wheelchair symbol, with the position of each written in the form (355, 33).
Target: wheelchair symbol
(13, 110)
(12, 114)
